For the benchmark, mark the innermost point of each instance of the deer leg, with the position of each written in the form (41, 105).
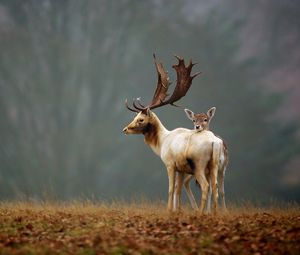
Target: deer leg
(214, 184)
(178, 188)
(208, 204)
(189, 191)
(200, 177)
(221, 175)
(175, 188)
(171, 176)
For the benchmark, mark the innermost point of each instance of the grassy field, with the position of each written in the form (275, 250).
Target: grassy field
(87, 228)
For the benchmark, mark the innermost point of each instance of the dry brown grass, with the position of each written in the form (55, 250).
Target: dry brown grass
(144, 228)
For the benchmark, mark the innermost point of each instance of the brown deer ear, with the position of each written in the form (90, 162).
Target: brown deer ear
(189, 114)
(211, 112)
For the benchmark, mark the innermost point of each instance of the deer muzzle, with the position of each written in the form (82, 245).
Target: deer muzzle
(129, 130)
(125, 130)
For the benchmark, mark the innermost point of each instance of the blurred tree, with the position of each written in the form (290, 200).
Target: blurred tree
(67, 66)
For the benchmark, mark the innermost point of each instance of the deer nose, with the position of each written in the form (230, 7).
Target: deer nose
(197, 126)
(125, 129)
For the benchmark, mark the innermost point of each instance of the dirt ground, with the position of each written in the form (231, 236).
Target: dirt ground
(87, 228)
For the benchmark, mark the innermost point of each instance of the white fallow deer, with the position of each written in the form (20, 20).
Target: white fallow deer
(181, 150)
(201, 122)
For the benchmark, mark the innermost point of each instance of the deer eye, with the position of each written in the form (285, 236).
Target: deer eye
(194, 121)
(141, 120)
(205, 120)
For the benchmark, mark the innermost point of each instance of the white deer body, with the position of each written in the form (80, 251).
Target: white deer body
(182, 146)
(182, 150)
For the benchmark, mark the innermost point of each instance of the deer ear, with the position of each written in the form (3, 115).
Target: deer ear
(189, 114)
(148, 112)
(211, 112)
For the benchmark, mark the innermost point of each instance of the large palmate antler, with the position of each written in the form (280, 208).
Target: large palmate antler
(184, 81)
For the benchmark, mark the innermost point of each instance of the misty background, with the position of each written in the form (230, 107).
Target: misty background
(66, 68)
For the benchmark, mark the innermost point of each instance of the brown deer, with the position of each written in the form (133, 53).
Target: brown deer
(182, 150)
(201, 122)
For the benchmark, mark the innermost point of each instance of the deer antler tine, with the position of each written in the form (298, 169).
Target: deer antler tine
(175, 105)
(139, 102)
(129, 108)
(179, 58)
(196, 74)
(136, 106)
(192, 64)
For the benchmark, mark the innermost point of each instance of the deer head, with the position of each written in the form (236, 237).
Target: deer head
(141, 124)
(142, 121)
(201, 120)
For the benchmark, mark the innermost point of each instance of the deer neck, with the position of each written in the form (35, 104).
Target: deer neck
(154, 134)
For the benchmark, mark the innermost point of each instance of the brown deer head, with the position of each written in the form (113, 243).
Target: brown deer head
(201, 120)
